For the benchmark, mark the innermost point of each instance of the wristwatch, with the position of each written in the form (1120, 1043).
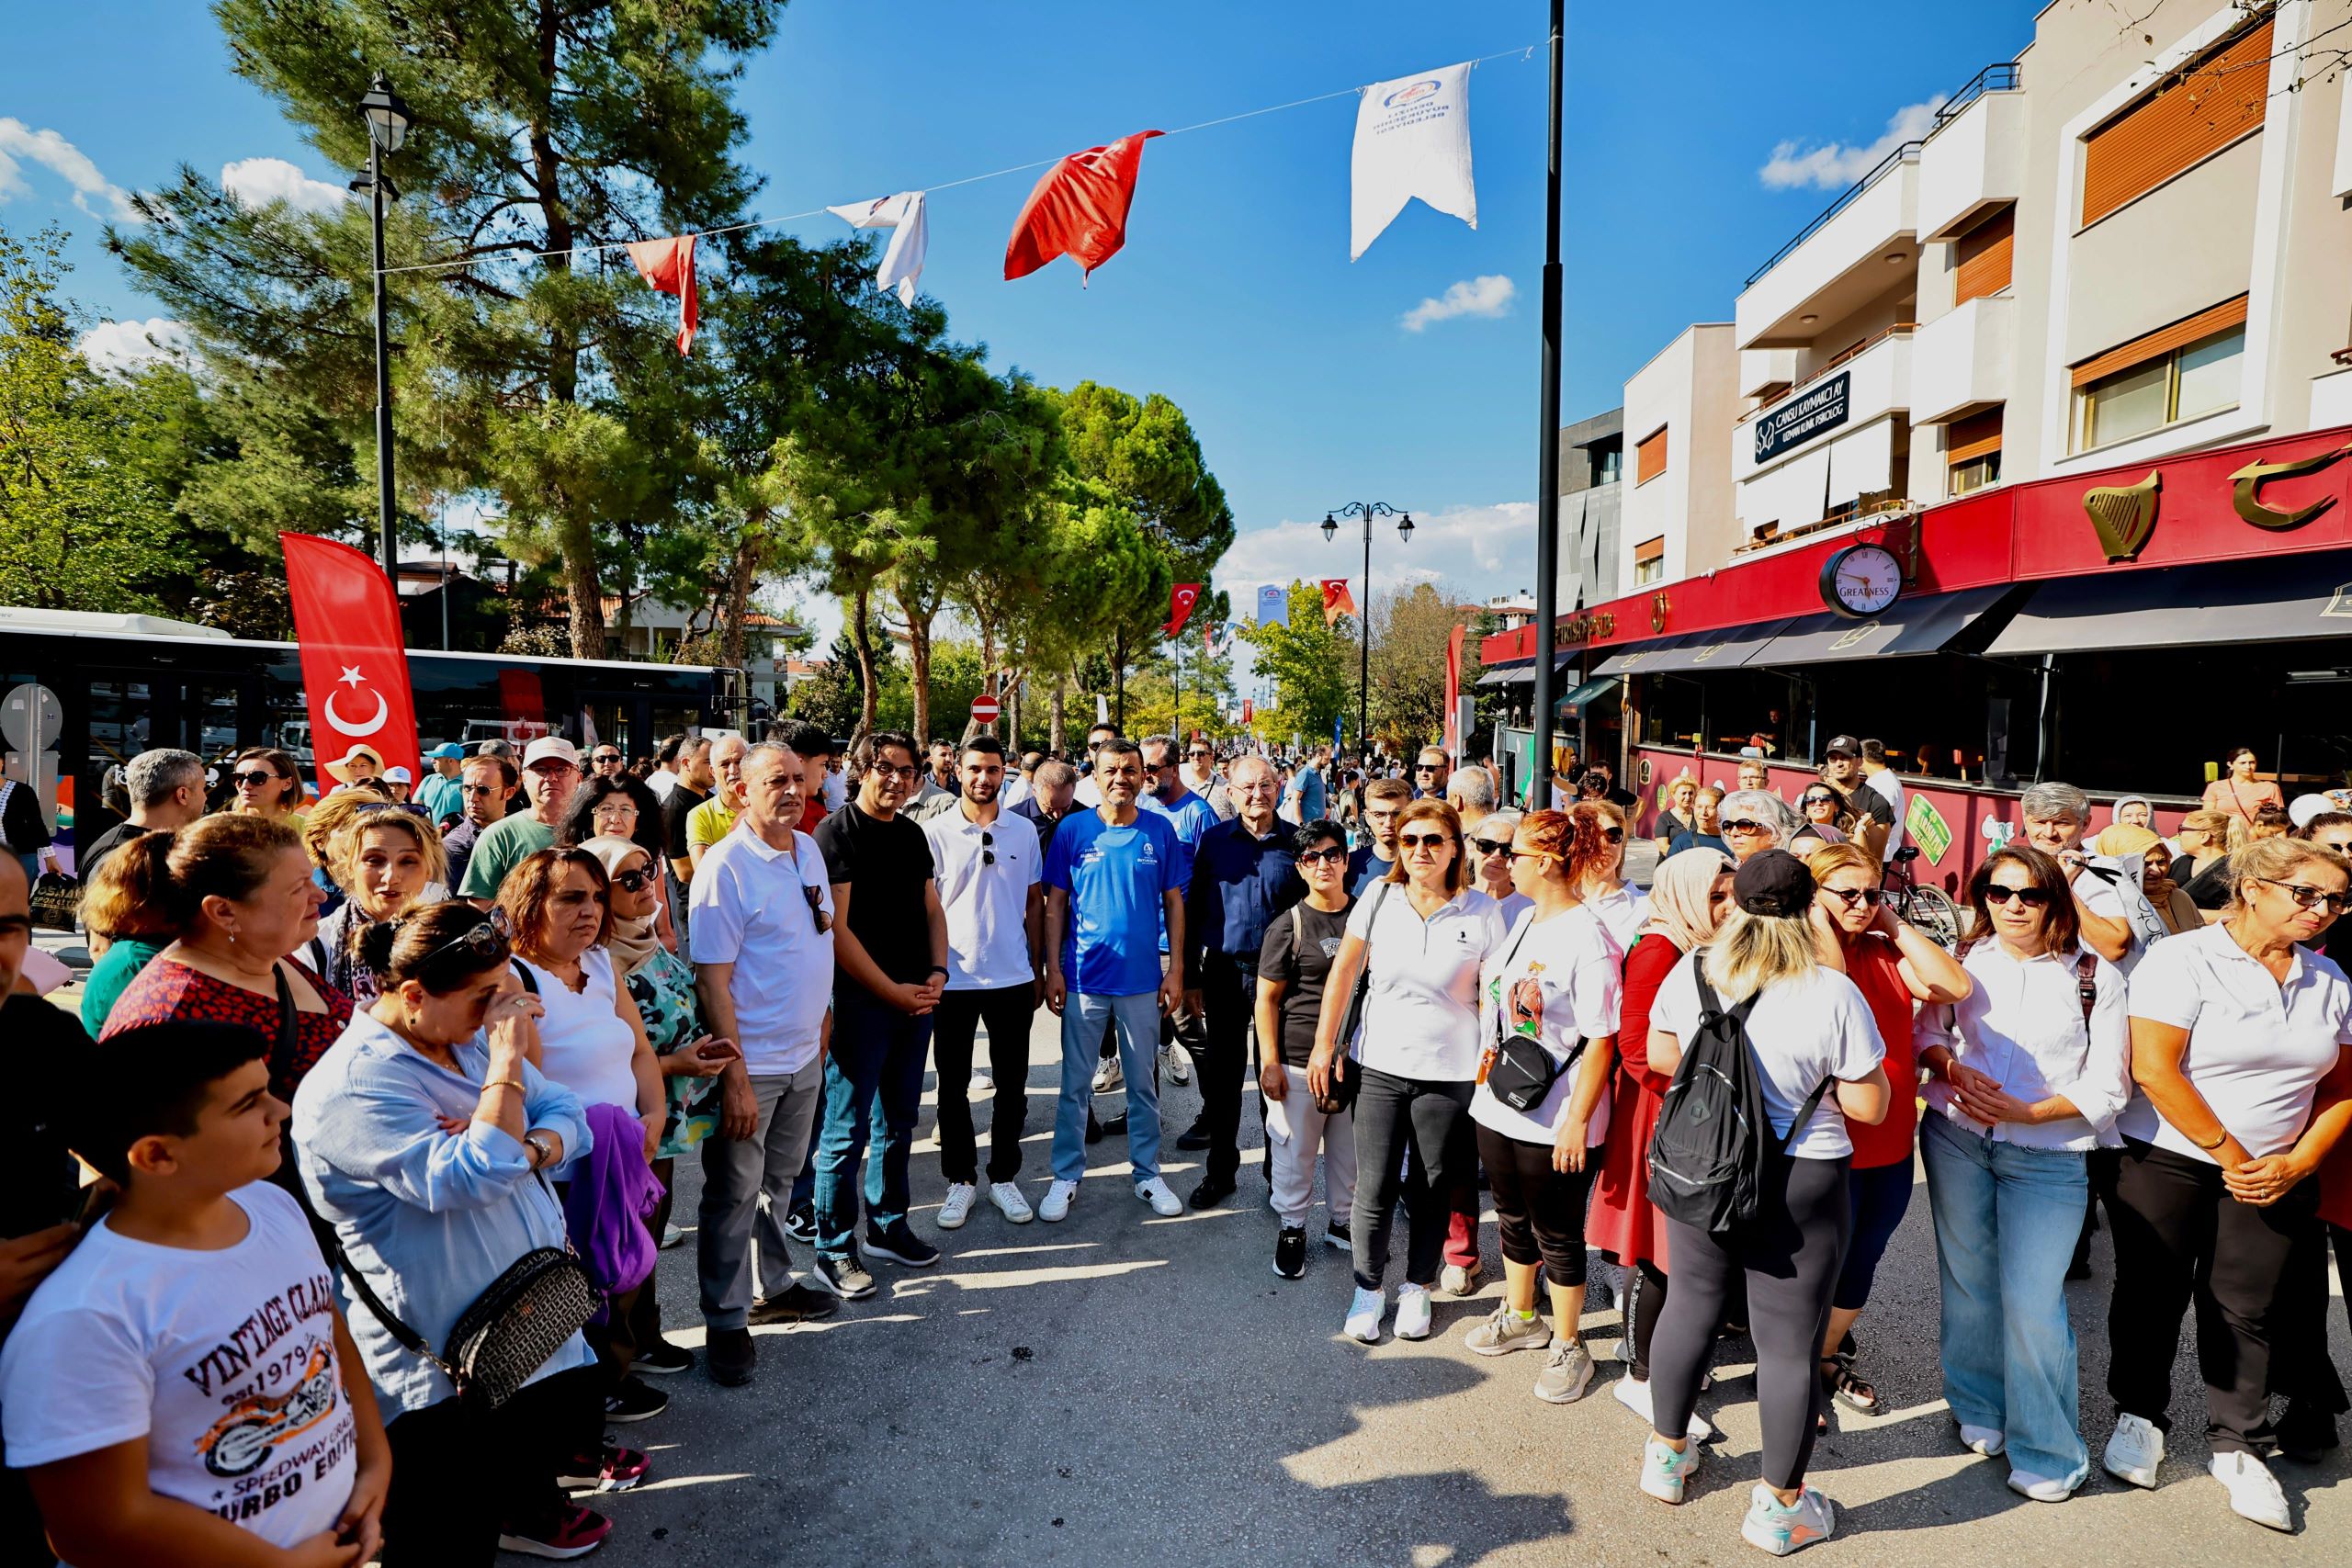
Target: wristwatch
(542, 1149)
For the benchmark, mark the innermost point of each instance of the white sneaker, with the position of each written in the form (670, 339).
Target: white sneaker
(2253, 1491)
(1056, 1203)
(2135, 1451)
(1179, 1064)
(961, 1196)
(2040, 1488)
(1412, 1312)
(1363, 1316)
(1666, 1474)
(1108, 1076)
(1008, 1202)
(1460, 1282)
(1634, 1395)
(1981, 1440)
(982, 1087)
(1782, 1529)
(1164, 1203)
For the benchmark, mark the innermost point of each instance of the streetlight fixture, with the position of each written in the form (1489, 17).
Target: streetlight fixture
(1367, 510)
(388, 123)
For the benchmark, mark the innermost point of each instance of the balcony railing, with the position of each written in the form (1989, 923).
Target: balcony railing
(1900, 329)
(2002, 78)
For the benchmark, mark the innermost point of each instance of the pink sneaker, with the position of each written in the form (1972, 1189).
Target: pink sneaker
(578, 1532)
(616, 1469)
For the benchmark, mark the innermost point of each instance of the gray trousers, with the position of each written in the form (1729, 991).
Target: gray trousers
(746, 1194)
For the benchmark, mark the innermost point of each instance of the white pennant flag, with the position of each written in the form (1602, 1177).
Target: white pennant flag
(901, 265)
(1412, 139)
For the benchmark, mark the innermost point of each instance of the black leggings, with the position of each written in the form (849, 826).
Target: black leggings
(1431, 1118)
(461, 1473)
(1539, 1210)
(1645, 1303)
(1788, 1257)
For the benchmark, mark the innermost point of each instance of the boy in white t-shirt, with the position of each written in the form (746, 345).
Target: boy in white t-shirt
(183, 1388)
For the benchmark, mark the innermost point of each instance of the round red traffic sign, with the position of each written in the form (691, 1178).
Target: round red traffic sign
(985, 710)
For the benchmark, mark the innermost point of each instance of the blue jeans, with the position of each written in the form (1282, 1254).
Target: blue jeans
(2006, 1219)
(1136, 1019)
(873, 1073)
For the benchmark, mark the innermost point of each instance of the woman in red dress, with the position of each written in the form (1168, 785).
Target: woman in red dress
(1688, 898)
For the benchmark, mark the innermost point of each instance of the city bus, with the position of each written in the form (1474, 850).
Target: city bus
(117, 684)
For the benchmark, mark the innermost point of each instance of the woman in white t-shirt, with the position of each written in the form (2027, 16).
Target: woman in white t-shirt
(1808, 1032)
(2236, 1035)
(1623, 913)
(1553, 985)
(1419, 935)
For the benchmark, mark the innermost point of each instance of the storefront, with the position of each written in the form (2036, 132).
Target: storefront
(2119, 631)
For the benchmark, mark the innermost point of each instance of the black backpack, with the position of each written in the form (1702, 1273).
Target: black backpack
(1708, 1155)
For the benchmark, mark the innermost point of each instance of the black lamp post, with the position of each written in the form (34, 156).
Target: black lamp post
(1367, 510)
(387, 121)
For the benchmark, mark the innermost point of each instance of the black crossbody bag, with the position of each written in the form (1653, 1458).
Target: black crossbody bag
(1521, 1071)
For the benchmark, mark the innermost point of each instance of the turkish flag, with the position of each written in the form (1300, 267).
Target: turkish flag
(1078, 208)
(1180, 607)
(1454, 691)
(1337, 600)
(355, 672)
(669, 266)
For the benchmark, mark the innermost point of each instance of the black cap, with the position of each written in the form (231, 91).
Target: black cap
(1846, 744)
(1772, 882)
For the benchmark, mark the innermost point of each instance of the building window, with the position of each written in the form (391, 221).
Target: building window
(1649, 457)
(1649, 561)
(1609, 466)
(1976, 473)
(1981, 259)
(2199, 109)
(1972, 452)
(2182, 371)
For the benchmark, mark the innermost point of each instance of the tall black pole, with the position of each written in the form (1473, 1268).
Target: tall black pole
(1363, 663)
(384, 508)
(1547, 466)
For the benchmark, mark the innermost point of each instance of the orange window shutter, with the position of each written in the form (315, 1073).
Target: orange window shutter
(1650, 550)
(2162, 341)
(2191, 115)
(1978, 436)
(1649, 457)
(1983, 255)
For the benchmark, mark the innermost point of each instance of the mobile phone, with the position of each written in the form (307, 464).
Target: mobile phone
(92, 1202)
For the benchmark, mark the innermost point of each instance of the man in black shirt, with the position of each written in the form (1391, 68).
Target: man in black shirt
(166, 793)
(695, 783)
(890, 968)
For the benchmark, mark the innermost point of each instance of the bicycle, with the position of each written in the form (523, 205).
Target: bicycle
(1926, 908)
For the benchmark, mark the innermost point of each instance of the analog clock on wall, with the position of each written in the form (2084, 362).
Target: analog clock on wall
(1860, 580)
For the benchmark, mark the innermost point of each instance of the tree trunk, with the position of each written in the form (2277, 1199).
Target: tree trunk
(575, 535)
(861, 632)
(1009, 696)
(1054, 712)
(1119, 679)
(918, 665)
(740, 572)
(989, 682)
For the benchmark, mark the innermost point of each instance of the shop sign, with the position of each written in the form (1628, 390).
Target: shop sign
(1584, 628)
(1928, 829)
(2124, 516)
(1800, 419)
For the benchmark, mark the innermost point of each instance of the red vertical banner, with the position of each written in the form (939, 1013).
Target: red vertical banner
(355, 670)
(1453, 694)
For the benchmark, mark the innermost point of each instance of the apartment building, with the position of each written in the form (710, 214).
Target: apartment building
(1592, 460)
(1677, 507)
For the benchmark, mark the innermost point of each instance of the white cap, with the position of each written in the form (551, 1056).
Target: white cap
(2304, 807)
(395, 775)
(554, 746)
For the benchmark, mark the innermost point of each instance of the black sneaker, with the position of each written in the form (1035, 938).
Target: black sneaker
(665, 1360)
(900, 1245)
(1196, 1137)
(733, 1356)
(795, 1303)
(800, 1225)
(1117, 1127)
(1213, 1191)
(634, 1400)
(1339, 1236)
(1290, 1252)
(845, 1276)
(1093, 1128)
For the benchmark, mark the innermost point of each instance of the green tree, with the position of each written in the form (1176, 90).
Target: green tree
(81, 528)
(1409, 630)
(1313, 666)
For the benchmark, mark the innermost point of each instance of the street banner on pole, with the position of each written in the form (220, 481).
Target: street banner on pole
(355, 672)
(1454, 693)
(1412, 139)
(1273, 606)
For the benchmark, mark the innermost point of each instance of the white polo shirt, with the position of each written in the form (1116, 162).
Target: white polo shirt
(1421, 1011)
(749, 906)
(2022, 1025)
(985, 874)
(2257, 1048)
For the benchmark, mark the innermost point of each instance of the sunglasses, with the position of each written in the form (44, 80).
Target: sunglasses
(481, 789)
(1612, 835)
(253, 780)
(2313, 897)
(1422, 840)
(988, 849)
(608, 756)
(487, 939)
(1821, 800)
(1857, 897)
(1313, 857)
(2031, 897)
(1198, 756)
(1425, 767)
(1491, 846)
(1742, 825)
(632, 881)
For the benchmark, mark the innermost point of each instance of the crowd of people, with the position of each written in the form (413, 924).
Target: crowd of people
(353, 1253)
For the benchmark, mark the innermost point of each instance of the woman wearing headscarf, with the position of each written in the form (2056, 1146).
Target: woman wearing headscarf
(1689, 894)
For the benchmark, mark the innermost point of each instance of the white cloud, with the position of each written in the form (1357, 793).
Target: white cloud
(1489, 295)
(61, 157)
(120, 348)
(1833, 166)
(257, 182)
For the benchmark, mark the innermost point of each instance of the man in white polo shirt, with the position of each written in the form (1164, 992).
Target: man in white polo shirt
(762, 939)
(2056, 815)
(987, 864)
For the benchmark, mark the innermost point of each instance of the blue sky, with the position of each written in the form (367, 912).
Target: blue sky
(1234, 295)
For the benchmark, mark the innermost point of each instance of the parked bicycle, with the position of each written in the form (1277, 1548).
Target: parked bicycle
(1926, 908)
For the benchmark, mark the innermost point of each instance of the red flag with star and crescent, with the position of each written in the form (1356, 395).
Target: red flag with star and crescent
(1180, 607)
(355, 672)
(1337, 600)
(1078, 210)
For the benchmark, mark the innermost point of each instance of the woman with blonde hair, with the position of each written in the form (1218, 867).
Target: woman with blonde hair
(322, 821)
(388, 861)
(1807, 1030)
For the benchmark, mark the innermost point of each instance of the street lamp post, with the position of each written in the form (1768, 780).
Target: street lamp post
(387, 121)
(1367, 510)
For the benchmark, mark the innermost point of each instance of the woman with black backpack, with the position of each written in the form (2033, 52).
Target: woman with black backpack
(1757, 1032)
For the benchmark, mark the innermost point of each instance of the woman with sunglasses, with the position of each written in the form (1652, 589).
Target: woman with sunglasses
(592, 1040)
(268, 783)
(2026, 1075)
(1555, 983)
(427, 1136)
(1623, 913)
(1754, 820)
(1419, 935)
(1895, 965)
(387, 861)
(616, 806)
(1294, 975)
(1824, 812)
(2238, 1037)
(1490, 840)
(1690, 895)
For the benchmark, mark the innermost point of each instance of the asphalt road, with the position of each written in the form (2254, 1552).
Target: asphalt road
(1122, 1389)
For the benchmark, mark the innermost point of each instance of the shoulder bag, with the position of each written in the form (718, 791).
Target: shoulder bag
(1517, 1070)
